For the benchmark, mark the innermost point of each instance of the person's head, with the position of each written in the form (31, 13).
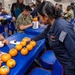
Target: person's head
(31, 4)
(0, 5)
(20, 1)
(69, 7)
(38, 2)
(60, 6)
(47, 12)
(26, 11)
(56, 5)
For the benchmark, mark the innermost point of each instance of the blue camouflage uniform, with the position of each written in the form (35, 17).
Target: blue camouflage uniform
(61, 39)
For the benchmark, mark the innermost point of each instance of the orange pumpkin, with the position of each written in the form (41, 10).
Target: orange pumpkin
(24, 51)
(5, 57)
(25, 39)
(33, 43)
(4, 70)
(18, 47)
(4, 10)
(35, 19)
(23, 43)
(3, 74)
(11, 63)
(29, 47)
(13, 52)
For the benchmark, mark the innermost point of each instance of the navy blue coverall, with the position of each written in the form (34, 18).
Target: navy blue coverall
(61, 39)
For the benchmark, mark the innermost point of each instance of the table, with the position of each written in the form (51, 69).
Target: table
(32, 31)
(7, 17)
(23, 62)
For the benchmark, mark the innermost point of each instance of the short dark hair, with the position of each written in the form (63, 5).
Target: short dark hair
(0, 3)
(28, 8)
(38, 1)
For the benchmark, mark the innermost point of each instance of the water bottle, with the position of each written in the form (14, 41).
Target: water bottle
(35, 23)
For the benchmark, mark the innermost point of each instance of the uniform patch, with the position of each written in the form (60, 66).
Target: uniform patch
(62, 36)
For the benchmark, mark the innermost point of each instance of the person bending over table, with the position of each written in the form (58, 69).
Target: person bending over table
(24, 20)
(4, 41)
(60, 35)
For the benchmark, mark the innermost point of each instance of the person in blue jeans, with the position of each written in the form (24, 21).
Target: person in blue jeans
(60, 35)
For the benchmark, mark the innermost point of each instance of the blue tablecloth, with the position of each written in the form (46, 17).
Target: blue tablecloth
(32, 31)
(23, 62)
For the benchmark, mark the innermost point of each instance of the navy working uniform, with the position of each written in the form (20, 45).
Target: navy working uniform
(61, 37)
(34, 12)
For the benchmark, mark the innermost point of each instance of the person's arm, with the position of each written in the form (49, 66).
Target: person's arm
(42, 35)
(4, 41)
(68, 41)
(34, 13)
(70, 47)
(22, 27)
(12, 10)
(1, 37)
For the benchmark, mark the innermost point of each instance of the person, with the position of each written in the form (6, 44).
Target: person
(34, 12)
(60, 35)
(70, 14)
(16, 9)
(2, 10)
(4, 41)
(61, 11)
(24, 20)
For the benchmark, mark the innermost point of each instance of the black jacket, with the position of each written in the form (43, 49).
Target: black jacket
(14, 6)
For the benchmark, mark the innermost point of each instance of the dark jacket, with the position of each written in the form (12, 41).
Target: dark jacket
(61, 38)
(14, 7)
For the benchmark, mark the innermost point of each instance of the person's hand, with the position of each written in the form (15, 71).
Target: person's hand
(0, 13)
(39, 24)
(30, 24)
(5, 41)
(0, 61)
(29, 39)
(21, 27)
(13, 19)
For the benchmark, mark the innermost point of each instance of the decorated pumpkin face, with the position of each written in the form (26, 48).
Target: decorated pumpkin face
(4, 70)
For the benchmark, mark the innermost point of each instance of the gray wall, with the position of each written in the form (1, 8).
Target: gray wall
(9, 2)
